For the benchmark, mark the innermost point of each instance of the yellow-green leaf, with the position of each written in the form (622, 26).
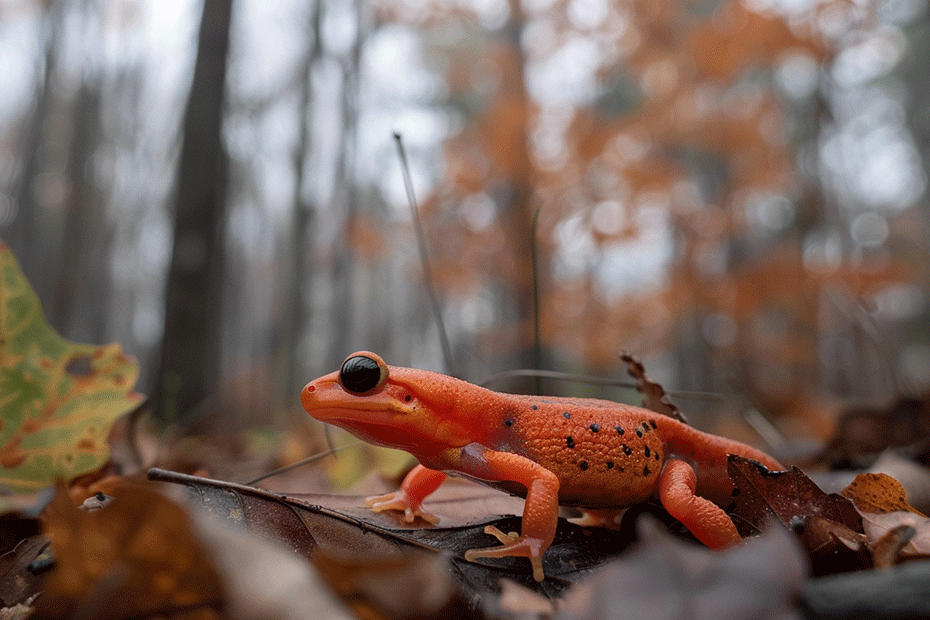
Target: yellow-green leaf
(58, 399)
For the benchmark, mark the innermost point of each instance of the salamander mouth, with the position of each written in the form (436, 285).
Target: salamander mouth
(387, 434)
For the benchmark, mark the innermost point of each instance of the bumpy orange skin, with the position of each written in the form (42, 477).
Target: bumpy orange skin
(588, 453)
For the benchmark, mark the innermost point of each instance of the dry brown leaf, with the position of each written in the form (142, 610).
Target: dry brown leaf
(417, 585)
(17, 583)
(654, 396)
(340, 526)
(878, 493)
(886, 552)
(828, 525)
(137, 556)
(879, 525)
(518, 602)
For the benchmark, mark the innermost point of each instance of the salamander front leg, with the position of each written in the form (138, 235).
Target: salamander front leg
(540, 514)
(418, 484)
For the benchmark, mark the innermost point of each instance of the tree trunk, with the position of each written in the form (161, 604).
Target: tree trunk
(190, 347)
(515, 196)
(291, 359)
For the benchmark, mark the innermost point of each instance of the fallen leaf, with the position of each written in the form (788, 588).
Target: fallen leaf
(828, 525)
(879, 525)
(16, 612)
(339, 525)
(878, 493)
(886, 551)
(912, 473)
(786, 495)
(58, 399)
(516, 601)
(17, 583)
(264, 580)
(137, 556)
(665, 578)
(417, 585)
(654, 396)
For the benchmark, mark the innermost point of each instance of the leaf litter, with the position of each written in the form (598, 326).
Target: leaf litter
(247, 558)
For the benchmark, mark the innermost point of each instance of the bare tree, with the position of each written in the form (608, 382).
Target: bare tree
(190, 347)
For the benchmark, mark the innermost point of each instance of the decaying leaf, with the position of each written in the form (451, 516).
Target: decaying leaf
(828, 525)
(879, 525)
(137, 556)
(265, 580)
(17, 583)
(339, 525)
(667, 578)
(887, 550)
(878, 493)
(894, 529)
(516, 601)
(654, 396)
(58, 399)
(417, 585)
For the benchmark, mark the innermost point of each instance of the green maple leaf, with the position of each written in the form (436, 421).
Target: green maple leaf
(58, 399)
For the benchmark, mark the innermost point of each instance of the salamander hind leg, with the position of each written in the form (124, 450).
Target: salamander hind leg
(703, 518)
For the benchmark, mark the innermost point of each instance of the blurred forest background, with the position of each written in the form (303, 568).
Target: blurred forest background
(736, 190)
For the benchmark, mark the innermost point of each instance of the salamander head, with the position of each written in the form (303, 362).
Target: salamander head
(414, 410)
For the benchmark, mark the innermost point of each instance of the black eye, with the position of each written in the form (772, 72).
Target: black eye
(360, 374)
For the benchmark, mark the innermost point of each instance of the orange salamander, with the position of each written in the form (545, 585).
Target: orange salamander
(594, 454)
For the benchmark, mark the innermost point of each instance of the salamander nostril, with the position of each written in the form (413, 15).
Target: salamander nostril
(311, 388)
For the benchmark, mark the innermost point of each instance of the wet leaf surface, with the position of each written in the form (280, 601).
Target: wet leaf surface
(828, 525)
(337, 525)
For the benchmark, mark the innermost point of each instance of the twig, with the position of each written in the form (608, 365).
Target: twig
(424, 257)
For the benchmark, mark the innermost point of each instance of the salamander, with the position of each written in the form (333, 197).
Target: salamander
(598, 455)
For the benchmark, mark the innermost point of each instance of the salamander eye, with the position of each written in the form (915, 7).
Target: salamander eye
(362, 373)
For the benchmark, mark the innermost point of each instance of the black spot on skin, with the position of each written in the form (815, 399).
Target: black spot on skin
(567, 415)
(646, 471)
(595, 428)
(646, 450)
(407, 398)
(583, 466)
(508, 422)
(656, 454)
(619, 430)
(626, 449)
(653, 424)
(534, 407)
(610, 464)
(639, 432)
(646, 427)
(570, 442)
